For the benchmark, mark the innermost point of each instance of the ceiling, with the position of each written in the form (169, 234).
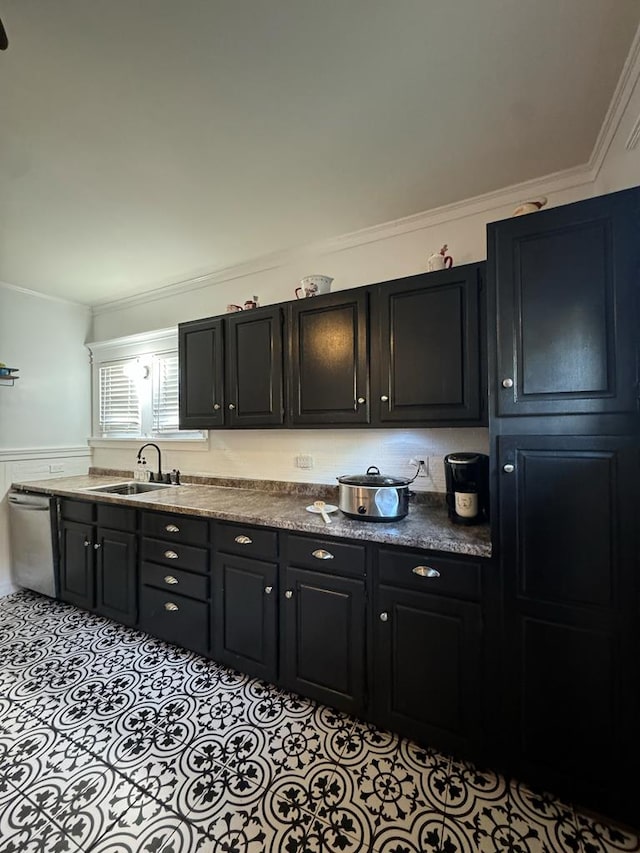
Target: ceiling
(150, 142)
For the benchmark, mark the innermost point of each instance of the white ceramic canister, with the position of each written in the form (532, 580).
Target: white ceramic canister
(313, 285)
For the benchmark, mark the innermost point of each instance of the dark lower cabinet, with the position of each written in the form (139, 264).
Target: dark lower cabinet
(427, 656)
(77, 575)
(244, 615)
(116, 565)
(322, 630)
(569, 521)
(175, 618)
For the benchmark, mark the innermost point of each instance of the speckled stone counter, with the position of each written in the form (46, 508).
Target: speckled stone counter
(426, 526)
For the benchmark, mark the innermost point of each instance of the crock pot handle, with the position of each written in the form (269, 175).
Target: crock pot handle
(373, 470)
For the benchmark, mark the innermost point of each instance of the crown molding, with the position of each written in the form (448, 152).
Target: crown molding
(634, 136)
(47, 296)
(556, 182)
(565, 179)
(627, 81)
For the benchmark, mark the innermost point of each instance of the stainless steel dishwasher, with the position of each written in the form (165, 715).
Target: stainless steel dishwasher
(31, 538)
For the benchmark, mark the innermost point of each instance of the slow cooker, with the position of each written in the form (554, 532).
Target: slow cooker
(374, 496)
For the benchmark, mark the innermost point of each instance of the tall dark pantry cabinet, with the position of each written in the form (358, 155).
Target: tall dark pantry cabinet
(566, 472)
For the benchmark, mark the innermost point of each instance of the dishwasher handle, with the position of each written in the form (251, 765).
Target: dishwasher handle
(38, 505)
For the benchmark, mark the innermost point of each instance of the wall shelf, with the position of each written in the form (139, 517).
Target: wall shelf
(8, 376)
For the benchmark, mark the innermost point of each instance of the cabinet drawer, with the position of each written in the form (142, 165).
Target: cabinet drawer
(232, 538)
(178, 528)
(175, 618)
(116, 517)
(426, 573)
(176, 555)
(77, 510)
(326, 555)
(175, 581)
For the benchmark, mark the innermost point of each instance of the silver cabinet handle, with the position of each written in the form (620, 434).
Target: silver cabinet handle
(243, 540)
(384, 398)
(96, 546)
(172, 528)
(171, 606)
(231, 406)
(507, 383)
(508, 468)
(361, 400)
(170, 579)
(268, 590)
(86, 543)
(171, 555)
(384, 617)
(425, 572)
(288, 594)
(321, 554)
(216, 407)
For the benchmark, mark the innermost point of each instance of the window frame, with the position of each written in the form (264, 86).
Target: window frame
(145, 347)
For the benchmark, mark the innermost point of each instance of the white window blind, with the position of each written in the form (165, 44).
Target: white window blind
(165, 393)
(119, 403)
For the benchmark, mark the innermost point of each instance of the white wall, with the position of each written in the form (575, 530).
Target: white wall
(45, 417)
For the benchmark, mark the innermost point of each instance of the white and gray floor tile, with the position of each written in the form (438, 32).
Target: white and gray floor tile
(112, 741)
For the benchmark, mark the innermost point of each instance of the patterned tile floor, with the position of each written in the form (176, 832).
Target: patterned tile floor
(114, 742)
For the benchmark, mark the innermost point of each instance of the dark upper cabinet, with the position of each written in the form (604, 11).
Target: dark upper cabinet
(322, 631)
(201, 356)
(426, 348)
(329, 382)
(254, 369)
(244, 615)
(116, 575)
(77, 578)
(567, 327)
(568, 521)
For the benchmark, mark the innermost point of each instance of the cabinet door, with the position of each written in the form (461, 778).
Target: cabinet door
(201, 353)
(427, 656)
(323, 625)
(116, 571)
(427, 354)
(568, 521)
(329, 374)
(254, 368)
(566, 310)
(244, 615)
(77, 581)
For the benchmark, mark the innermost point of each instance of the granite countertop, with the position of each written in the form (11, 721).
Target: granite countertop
(282, 505)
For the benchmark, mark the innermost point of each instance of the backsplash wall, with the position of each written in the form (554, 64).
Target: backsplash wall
(270, 454)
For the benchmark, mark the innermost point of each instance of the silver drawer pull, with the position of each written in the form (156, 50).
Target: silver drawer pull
(171, 606)
(243, 540)
(268, 590)
(171, 555)
(425, 572)
(172, 528)
(170, 579)
(288, 594)
(321, 554)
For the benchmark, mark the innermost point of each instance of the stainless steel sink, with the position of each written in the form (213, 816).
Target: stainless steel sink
(131, 488)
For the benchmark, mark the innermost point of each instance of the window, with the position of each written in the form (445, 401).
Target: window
(136, 389)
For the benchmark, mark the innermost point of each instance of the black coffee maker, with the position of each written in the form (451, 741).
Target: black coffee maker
(467, 479)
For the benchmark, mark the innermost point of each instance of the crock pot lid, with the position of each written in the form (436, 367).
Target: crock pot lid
(373, 479)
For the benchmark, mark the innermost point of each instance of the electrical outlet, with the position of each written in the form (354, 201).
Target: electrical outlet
(304, 460)
(423, 463)
(56, 469)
